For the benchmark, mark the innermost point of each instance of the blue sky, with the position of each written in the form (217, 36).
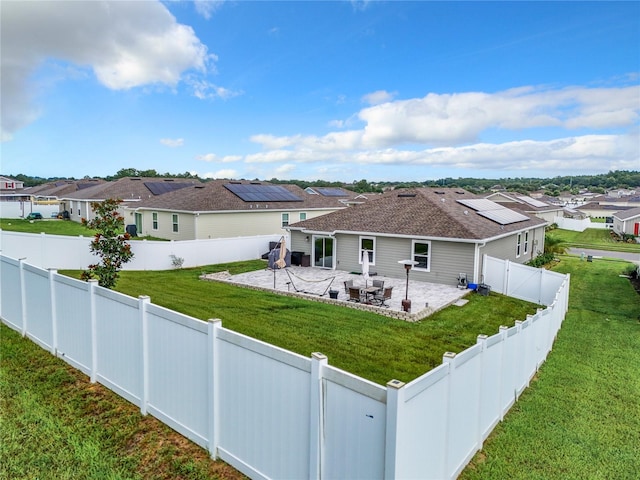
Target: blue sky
(338, 91)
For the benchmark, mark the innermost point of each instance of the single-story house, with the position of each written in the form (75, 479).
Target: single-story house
(627, 222)
(446, 231)
(130, 190)
(528, 205)
(231, 208)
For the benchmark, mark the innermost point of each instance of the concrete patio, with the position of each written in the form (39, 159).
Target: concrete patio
(315, 284)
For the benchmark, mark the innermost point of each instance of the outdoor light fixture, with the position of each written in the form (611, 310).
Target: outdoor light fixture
(406, 303)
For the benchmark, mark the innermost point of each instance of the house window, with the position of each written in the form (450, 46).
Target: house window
(368, 244)
(285, 220)
(174, 220)
(518, 244)
(155, 220)
(526, 242)
(303, 216)
(421, 253)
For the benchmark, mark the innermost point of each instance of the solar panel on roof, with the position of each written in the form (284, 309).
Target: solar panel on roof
(494, 211)
(262, 193)
(503, 216)
(331, 192)
(158, 188)
(532, 201)
(479, 204)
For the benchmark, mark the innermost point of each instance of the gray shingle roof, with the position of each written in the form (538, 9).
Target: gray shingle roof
(126, 188)
(628, 214)
(213, 196)
(61, 188)
(420, 212)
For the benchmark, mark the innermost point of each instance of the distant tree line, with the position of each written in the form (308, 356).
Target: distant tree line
(551, 186)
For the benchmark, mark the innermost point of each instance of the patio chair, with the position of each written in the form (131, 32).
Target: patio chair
(355, 295)
(347, 285)
(379, 284)
(382, 298)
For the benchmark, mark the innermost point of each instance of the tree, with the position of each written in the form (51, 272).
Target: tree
(554, 245)
(109, 243)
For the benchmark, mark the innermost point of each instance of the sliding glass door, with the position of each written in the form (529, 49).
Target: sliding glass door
(323, 252)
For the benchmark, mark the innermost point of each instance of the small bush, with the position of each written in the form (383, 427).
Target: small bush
(632, 271)
(541, 260)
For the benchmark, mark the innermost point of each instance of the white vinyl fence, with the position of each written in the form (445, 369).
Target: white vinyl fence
(268, 412)
(72, 253)
(515, 280)
(580, 225)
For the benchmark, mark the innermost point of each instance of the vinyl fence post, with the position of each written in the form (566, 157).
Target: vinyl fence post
(482, 340)
(213, 379)
(448, 358)
(143, 301)
(54, 314)
(94, 329)
(521, 365)
(394, 431)
(23, 297)
(507, 275)
(316, 416)
(503, 366)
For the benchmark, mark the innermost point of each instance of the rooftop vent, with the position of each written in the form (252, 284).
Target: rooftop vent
(406, 195)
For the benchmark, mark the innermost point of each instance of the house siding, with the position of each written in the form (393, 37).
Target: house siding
(625, 226)
(448, 259)
(505, 248)
(186, 225)
(220, 224)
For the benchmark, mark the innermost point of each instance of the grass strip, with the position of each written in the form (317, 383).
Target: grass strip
(593, 238)
(55, 424)
(581, 418)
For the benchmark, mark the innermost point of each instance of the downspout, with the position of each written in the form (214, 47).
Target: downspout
(477, 271)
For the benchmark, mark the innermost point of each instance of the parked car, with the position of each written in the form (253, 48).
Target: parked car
(34, 216)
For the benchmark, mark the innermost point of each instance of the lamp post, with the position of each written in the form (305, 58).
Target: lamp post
(406, 303)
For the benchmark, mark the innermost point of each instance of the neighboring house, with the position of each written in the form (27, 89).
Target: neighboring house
(446, 230)
(627, 222)
(61, 188)
(229, 208)
(130, 190)
(9, 184)
(527, 204)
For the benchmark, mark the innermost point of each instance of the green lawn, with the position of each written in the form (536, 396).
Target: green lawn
(581, 417)
(593, 238)
(50, 226)
(372, 346)
(53, 227)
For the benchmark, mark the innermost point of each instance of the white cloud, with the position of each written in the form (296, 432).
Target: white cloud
(203, 89)
(221, 174)
(286, 168)
(378, 97)
(212, 157)
(583, 153)
(172, 142)
(460, 118)
(206, 8)
(126, 44)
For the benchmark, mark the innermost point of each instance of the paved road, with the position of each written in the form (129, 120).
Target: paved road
(632, 257)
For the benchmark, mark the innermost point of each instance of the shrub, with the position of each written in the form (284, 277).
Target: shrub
(541, 260)
(109, 243)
